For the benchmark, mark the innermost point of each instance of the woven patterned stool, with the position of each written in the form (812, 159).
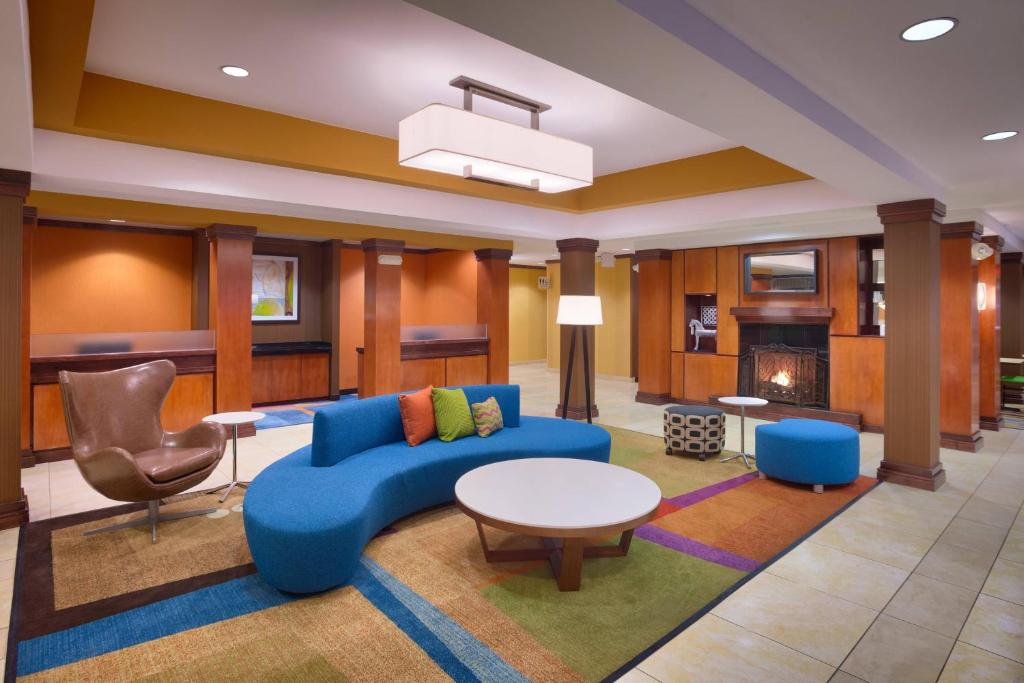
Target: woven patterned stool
(694, 429)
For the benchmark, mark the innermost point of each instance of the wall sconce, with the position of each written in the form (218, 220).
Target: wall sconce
(389, 259)
(982, 295)
(981, 251)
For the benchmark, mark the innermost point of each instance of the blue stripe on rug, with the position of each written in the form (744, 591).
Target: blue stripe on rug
(454, 649)
(142, 624)
(284, 418)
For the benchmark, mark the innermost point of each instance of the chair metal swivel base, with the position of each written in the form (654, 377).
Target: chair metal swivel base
(152, 519)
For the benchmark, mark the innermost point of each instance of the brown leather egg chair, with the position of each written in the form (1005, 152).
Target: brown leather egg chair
(113, 420)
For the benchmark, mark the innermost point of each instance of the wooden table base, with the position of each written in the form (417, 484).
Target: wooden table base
(565, 555)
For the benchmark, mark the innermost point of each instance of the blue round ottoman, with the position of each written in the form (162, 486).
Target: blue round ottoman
(808, 452)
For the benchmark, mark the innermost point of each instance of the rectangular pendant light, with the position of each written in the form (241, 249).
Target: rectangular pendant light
(463, 143)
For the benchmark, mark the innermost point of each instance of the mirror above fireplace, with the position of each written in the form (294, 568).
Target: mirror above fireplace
(791, 272)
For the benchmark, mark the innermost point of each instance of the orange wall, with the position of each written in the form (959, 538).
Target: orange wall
(110, 281)
(414, 289)
(450, 296)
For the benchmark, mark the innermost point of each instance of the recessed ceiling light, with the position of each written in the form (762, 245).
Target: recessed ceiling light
(1001, 135)
(117, 220)
(929, 29)
(236, 71)
(626, 249)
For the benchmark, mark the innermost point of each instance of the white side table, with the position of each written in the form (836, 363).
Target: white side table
(742, 402)
(233, 420)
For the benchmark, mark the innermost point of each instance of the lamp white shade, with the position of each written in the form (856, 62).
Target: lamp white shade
(458, 142)
(579, 310)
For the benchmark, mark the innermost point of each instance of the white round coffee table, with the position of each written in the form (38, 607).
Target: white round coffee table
(558, 499)
(742, 402)
(233, 420)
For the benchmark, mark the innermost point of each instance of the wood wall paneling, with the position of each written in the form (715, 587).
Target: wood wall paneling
(421, 372)
(728, 340)
(492, 300)
(464, 370)
(700, 271)
(231, 314)
(817, 299)
(678, 298)
(330, 318)
(843, 285)
(14, 187)
(706, 375)
(382, 365)
(959, 397)
(912, 351)
(655, 355)
(676, 387)
(989, 343)
(857, 378)
(200, 280)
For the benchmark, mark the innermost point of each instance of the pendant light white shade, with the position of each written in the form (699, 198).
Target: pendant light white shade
(579, 310)
(459, 142)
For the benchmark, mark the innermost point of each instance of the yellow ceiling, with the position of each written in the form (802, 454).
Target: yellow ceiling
(69, 99)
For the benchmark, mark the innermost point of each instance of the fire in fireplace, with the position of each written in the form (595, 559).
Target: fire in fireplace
(785, 374)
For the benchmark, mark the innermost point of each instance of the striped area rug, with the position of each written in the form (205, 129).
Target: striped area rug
(423, 605)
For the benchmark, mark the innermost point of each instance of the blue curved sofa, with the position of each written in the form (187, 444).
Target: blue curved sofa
(308, 515)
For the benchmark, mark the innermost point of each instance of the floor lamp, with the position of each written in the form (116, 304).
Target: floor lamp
(578, 311)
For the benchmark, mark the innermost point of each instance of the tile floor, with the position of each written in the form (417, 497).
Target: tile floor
(904, 586)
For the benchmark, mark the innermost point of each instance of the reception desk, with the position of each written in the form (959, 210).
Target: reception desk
(285, 372)
(441, 355)
(190, 398)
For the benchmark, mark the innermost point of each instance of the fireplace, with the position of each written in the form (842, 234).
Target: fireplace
(784, 364)
(784, 374)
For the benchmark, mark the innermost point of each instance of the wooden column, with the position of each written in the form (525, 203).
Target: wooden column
(989, 343)
(655, 334)
(330, 312)
(1011, 292)
(29, 219)
(14, 187)
(912, 248)
(492, 308)
(230, 313)
(577, 257)
(200, 280)
(958, 369)
(382, 320)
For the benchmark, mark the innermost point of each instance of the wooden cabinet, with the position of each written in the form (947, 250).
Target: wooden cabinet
(463, 370)
(421, 372)
(290, 377)
(857, 378)
(189, 401)
(700, 271)
(706, 375)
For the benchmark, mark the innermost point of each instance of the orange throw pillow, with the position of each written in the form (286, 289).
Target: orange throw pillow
(417, 411)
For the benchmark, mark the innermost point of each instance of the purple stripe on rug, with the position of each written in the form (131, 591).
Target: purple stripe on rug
(656, 534)
(694, 497)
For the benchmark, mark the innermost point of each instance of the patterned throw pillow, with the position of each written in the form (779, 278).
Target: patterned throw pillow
(452, 415)
(487, 416)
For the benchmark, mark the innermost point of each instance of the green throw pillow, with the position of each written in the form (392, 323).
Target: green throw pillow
(452, 414)
(487, 416)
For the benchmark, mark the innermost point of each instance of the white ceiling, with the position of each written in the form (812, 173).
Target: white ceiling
(367, 64)
(16, 102)
(932, 101)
